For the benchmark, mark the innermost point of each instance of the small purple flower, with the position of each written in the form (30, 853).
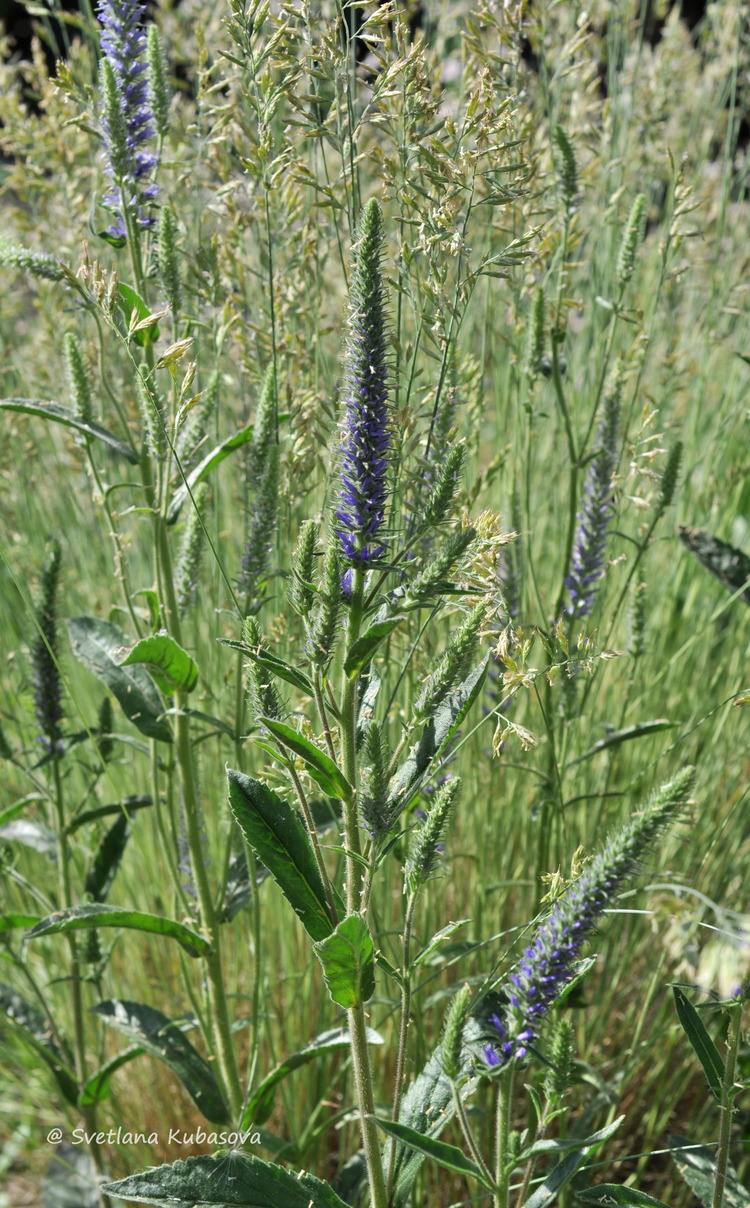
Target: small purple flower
(128, 121)
(366, 432)
(548, 963)
(587, 559)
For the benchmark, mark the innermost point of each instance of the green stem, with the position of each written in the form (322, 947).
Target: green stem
(354, 880)
(469, 1137)
(79, 1029)
(323, 713)
(727, 1099)
(502, 1143)
(239, 725)
(223, 1042)
(66, 901)
(404, 1029)
(363, 1083)
(349, 753)
(121, 572)
(312, 831)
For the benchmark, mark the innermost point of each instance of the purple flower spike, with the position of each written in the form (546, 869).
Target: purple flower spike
(366, 433)
(589, 546)
(548, 964)
(128, 121)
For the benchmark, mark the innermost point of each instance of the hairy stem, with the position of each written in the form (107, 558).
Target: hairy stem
(727, 1099)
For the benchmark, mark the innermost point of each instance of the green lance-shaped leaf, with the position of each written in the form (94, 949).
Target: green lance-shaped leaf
(365, 646)
(99, 645)
(277, 835)
(96, 1088)
(320, 766)
(273, 664)
(107, 859)
(127, 806)
(82, 918)
(449, 1156)
(29, 1022)
(12, 921)
(59, 414)
(614, 1193)
(210, 1182)
(204, 468)
(697, 1166)
(169, 665)
(703, 1046)
(561, 1174)
(438, 938)
(427, 1107)
(161, 1037)
(260, 1104)
(146, 329)
(641, 729)
(348, 960)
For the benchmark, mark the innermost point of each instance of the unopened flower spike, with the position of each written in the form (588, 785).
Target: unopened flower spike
(261, 526)
(44, 657)
(548, 963)
(587, 560)
(127, 117)
(360, 515)
(191, 550)
(78, 379)
(428, 841)
(373, 789)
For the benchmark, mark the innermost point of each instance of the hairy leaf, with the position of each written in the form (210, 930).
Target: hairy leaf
(697, 1166)
(171, 667)
(204, 468)
(96, 1088)
(366, 645)
(33, 1027)
(703, 1046)
(348, 960)
(65, 415)
(79, 918)
(320, 766)
(260, 1104)
(208, 1182)
(107, 859)
(161, 1037)
(449, 1156)
(278, 837)
(276, 666)
(99, 646)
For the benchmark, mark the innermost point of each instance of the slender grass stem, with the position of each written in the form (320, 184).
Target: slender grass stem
(398, 1077)
(728, 1093)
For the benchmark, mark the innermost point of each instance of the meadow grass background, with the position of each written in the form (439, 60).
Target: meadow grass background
(277, 135)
